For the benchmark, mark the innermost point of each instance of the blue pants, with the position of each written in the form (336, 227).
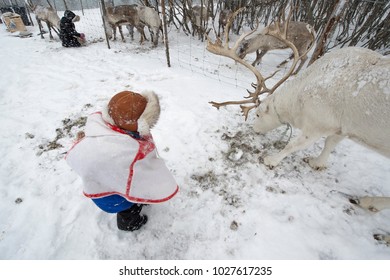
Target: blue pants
(112, 203)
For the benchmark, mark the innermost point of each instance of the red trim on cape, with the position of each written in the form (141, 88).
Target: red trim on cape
(74, 145)
(146, 145)
(133, 199)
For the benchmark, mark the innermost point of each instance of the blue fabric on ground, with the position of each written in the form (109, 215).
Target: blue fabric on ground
(113, 203)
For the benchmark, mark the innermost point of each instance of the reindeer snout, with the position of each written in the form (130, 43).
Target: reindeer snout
(256, 127)
(240, 53)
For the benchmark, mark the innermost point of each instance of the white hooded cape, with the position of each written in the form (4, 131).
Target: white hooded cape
(112, 162)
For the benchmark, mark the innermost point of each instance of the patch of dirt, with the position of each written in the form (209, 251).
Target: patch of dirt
(66, 130)
(207, 180)
(218, 184)
(234, 226)
(242, 148)
(275, 189)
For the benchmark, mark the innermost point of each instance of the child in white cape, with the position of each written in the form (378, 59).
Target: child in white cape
(117, 159)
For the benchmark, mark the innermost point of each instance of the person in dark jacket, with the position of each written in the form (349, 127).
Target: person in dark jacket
(68, 34)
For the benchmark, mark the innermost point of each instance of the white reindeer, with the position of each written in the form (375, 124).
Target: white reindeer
(301, 34)
(46, 14)
(344, 94)
(149, 17)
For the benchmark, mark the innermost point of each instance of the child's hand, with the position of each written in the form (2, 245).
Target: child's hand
(80, 135)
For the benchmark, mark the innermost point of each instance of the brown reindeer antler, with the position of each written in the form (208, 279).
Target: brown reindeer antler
(280, 32)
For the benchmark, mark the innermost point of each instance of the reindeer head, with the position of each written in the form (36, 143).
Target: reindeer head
(267, 118)
(243, 48)
(236, 53)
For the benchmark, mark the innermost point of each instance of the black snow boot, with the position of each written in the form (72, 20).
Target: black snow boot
(130, 219)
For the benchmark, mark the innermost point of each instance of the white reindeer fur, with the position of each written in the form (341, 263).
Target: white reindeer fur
(346, 93)
(151, 19)
(373, 204)
(46, 14)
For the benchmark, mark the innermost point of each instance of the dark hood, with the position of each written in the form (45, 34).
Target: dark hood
(69, 14)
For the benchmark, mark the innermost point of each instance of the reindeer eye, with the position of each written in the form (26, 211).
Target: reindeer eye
(258, 115)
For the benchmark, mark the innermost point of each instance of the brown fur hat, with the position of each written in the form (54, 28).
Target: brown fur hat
(133, 111)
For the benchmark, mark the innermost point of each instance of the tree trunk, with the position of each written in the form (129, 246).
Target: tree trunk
(337, 12)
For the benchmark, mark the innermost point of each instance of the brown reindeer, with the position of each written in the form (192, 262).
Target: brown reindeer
(198, 15)
(223, 19)
(301, 34)
(124, 15)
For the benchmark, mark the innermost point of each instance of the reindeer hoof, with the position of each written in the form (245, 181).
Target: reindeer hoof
(378, 237)
(314, 163)
(354, 201)
(270, 162)
(365, 203)
(383, 238)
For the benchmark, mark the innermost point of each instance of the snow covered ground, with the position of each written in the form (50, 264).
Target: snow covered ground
(230, 206)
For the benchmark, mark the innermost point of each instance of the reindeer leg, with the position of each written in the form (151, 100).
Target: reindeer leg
(385, 238)
(331, 142)
(132, 33)
(142, 35)
(130, 28)
(372, 203)
(301, 142)
(49, 27)
(259, 56)
(40, 27)
(152, 38)
(120, 31)
(113, 31)
(285, 61)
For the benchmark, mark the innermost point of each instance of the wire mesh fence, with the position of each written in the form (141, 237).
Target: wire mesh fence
(365, 23)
